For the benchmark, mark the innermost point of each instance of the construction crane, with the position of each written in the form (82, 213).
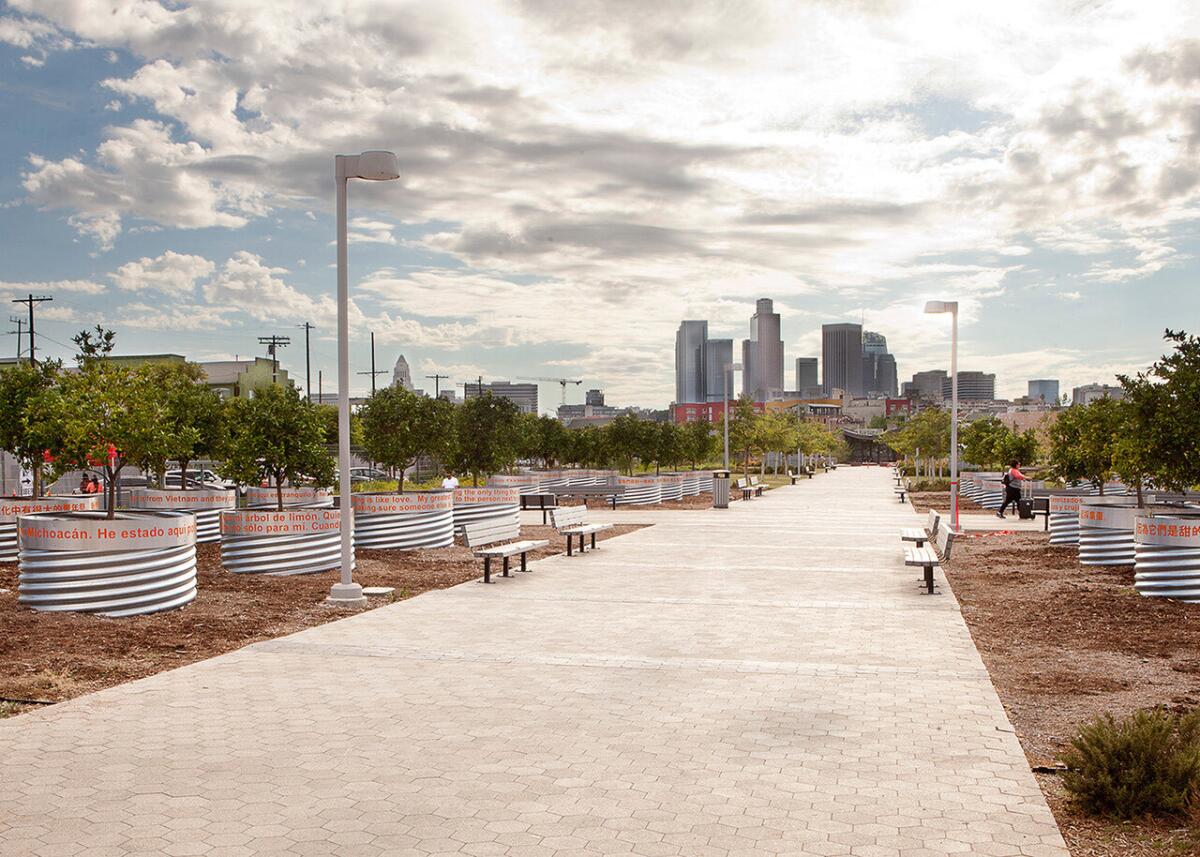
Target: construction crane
(561, 381)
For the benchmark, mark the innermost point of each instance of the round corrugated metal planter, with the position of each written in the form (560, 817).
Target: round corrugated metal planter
(1106, 527)
(672, 486)
(302, 496)
(135, 563)
(292, 541)
(494, 505)
(551, 478)
(639, 490)
(12, 507)
(205, 503)
(403, 521)
(991, 494)
(706, 481)
(525, 483)
(1064, 518)
(1167, 555)
(691, 483)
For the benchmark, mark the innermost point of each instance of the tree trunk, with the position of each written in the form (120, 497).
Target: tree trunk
(36, 488)
(110, 490)
(183, 469)
(1101, 487)
(1140, 499)
(279, 492)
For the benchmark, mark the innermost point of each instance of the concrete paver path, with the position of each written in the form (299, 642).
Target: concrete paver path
(761, 680)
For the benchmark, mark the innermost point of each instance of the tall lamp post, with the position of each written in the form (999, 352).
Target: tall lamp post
(729, 370)
(951, 307)
(372, 166)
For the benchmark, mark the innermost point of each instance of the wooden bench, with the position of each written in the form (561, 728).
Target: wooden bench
(932, 556)
(609, 492)
(804, 471)
(749, 487)
(571, 521)
(920, 535)
(901, 490)
(503, 537)
(539, 502)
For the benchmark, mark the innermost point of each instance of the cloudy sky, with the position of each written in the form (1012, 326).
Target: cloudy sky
(578, 177)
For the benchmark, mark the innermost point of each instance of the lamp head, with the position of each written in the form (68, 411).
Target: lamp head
(375, 166)
(934, 307)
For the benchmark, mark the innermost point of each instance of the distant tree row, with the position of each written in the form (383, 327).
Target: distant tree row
(1151, 437)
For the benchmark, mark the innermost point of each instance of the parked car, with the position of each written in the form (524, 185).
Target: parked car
(197, 478)
(367, 474)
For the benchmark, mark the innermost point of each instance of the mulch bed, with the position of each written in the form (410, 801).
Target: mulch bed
(939, 501)
(1064, 644)
(700, 501)
(56, 656)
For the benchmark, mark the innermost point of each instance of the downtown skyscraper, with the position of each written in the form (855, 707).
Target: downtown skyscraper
(691, 362)
(842, 358)
(762, 354)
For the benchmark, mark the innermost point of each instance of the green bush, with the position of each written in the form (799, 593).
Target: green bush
(1146, 764)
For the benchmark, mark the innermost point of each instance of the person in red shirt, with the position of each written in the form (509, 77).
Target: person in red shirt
(1013, 478)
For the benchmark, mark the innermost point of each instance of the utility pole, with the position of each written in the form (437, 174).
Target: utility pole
(321, 386)
(436, 378)
(31, 300)
(273, 342)
(307, 363)
(19, 322)
(373, 371)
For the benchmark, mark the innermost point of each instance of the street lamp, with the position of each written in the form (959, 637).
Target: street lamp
(372, 166)
(729, 370)
(935, 307)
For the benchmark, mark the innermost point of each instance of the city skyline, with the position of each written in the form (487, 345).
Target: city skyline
(559, 210)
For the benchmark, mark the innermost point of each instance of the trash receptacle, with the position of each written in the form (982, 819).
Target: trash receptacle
(720, 489)
(1025, 509)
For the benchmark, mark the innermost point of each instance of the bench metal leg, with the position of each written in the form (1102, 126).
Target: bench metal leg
(929, 579)
(487, 569)
(593, 541)
(506, 574)
(523, 568)
(570, 544)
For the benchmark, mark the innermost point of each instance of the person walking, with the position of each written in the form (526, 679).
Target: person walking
(1012, 480)
(450, 482)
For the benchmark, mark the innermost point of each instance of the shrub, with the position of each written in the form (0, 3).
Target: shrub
(1146, 764)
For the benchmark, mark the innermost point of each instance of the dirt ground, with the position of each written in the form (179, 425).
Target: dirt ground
(1064, 644)
(700, 501)
(939, 501)
(50, 657)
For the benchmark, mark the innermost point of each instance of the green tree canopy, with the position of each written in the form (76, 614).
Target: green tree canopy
(1082, 441)
(486, 428)
(21, 437)
(698, 442)
(1162, 435)
(279, 436)
(398, 427)
(105, 415)
(195, 414)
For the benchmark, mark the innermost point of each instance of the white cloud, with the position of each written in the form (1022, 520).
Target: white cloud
(171, 273)
(82, 287)
(637, 169)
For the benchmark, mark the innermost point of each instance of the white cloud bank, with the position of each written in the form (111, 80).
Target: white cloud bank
(641, 162)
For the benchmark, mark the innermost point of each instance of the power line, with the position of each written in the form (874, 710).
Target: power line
(18, 321)
(436, 378)
(31, 300)
(274, 342)
(307, 362)
(374, 372)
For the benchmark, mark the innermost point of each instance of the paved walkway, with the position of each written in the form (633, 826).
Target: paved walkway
(761, 680)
